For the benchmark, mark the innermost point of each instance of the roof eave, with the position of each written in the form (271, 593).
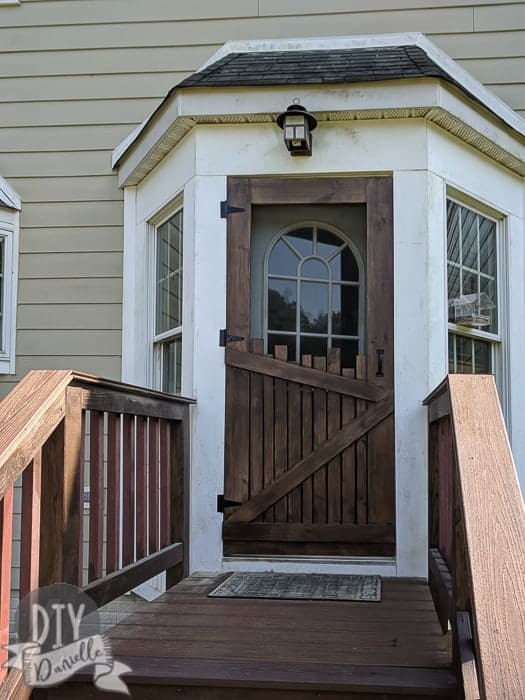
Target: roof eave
(9, 199)
(429, 98)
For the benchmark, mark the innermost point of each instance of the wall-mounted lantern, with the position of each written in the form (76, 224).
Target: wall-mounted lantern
(297, 125)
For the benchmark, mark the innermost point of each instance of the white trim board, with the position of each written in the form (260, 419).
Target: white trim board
(314, 565)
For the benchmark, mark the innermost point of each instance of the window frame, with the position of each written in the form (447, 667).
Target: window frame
(9, 231)
(361, 286)
(158, 340)
(496, 339)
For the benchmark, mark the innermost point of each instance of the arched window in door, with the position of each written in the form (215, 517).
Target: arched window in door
(314, 293)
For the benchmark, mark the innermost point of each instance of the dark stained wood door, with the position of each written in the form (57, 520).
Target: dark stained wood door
(309, 445)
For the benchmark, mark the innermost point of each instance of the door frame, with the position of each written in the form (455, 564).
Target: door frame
(376, 193)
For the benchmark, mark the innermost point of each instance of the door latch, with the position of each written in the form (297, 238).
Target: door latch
(380, 359)
(223, 503)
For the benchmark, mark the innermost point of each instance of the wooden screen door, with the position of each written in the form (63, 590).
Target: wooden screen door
(309, 446)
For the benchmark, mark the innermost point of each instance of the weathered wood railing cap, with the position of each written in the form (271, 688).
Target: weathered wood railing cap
(490, 503)
(92, 381)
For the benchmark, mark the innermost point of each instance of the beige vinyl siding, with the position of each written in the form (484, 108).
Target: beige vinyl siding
(76, 76)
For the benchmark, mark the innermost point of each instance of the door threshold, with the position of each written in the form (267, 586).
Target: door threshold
(381, 566)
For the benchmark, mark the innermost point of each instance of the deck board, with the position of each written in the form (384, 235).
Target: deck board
(188, 641)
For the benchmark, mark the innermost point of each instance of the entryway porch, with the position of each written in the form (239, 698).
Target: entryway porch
(188, 645)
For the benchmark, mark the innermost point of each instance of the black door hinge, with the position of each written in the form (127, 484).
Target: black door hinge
(224, 338)
(223, 503)
(227, 209)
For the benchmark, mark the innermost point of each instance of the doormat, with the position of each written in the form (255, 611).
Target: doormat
(300, 587)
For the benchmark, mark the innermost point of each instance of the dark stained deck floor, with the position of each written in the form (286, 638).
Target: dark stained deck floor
(190, 646)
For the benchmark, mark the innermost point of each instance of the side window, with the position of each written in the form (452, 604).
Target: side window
(472, 272)
(167, 340)
(313, 294)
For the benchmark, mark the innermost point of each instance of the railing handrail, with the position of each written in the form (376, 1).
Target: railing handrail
(492, 515)
(35, 407)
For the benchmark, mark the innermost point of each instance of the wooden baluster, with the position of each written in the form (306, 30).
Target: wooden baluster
(361, 452)
(96, 495)
(30, 527)
(6, 538)
(153, 477)
(128, 490)
(113, 516)
(333, 425)
(319, 478)
(281, 433)
(307, 443)
(348, 460)
(142, 493)
(165, 483)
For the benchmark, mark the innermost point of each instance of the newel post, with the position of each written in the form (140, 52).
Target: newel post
(62, 503)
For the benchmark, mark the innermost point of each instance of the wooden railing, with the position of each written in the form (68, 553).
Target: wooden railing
(74, 442)
(477, 537)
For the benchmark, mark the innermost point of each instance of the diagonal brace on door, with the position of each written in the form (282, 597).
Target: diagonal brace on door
(303, 469)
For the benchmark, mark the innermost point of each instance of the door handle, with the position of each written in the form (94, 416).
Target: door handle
(380, 357)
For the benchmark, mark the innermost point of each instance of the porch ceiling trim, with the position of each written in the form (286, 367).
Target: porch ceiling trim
(432, 99)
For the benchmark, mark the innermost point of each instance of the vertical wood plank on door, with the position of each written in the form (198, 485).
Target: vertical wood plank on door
(333, 425)
(96, 495)
(153, 478)
(237, 445)
(361, 452)
(128, 489)
(348, 458)
(113, 495)
(281, 433)
(256, 425)
(142, 492)
(6, 544)
(30, 526)
(319, 478)
(307, 443)
(381, 450)
(237, 438)
(380, 338)
(294, 448)
(165, 483)
(268, 439)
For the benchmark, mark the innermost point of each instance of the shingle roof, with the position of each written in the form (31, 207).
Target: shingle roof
(323, 66)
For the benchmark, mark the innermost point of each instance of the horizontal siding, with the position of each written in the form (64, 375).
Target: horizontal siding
(64, 291)
(76, 76)
(70, 316)
(72, 239)
(70, 265)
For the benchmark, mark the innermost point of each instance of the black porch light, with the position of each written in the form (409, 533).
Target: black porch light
(297, 125)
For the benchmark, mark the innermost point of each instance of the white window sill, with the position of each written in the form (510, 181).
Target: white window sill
(7, 365)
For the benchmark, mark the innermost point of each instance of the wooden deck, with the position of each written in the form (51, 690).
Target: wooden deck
(190, 646)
